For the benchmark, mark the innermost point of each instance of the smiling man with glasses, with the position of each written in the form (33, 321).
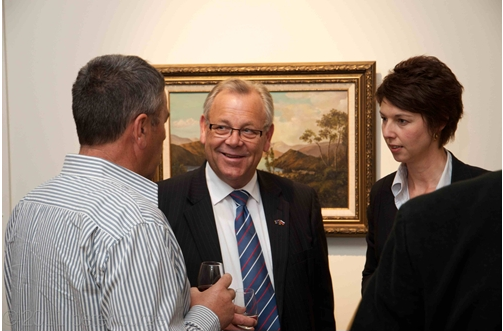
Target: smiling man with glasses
(208, 208)
(234, 157)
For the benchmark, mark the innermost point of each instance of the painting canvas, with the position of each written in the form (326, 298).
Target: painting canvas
(310, 143)
(323, 136)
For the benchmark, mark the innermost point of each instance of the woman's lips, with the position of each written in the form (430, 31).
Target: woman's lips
(394, 148)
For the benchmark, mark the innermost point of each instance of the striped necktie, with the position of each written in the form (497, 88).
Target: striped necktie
(253, 268)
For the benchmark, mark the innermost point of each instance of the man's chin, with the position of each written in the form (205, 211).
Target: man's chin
(235, 179)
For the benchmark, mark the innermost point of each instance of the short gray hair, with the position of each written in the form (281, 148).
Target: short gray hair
(242, 87)
(110, 91)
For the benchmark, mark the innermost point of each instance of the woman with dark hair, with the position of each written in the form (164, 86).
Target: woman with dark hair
(420, 106)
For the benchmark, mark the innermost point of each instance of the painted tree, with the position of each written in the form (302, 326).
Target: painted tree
(333, 130)
(269, 160)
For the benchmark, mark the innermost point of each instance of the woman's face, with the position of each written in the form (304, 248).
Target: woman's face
(406, 134)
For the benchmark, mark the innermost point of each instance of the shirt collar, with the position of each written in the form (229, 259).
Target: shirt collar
(447, 174)
(90, 166)
(400, 187)
(219, 189)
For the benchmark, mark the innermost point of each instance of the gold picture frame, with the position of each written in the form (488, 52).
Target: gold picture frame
(308, 93)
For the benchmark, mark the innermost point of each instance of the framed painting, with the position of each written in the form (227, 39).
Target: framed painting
(324, 115)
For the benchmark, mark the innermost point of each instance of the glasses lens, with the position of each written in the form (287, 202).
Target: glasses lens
(225, 131)
(220, 130)
(248, 134)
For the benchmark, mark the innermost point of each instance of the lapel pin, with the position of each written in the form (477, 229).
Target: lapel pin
(279, 222)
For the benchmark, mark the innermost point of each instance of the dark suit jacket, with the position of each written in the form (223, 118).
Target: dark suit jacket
(303, 284)
(381, 213)
(441, 266)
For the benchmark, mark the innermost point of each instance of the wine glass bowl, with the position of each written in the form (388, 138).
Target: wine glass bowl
(247, 302)
(209, 273)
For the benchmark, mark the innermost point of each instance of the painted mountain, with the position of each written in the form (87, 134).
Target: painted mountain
(186, 156)
(306, 163)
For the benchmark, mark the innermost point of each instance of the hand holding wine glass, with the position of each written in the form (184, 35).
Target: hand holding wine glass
(246, 304)
(209, 273)
(219, 299)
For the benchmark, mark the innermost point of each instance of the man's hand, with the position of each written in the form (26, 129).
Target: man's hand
(240, 319)
(218, 298)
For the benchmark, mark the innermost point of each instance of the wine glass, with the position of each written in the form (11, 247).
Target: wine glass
(245, 299)
(209, 273)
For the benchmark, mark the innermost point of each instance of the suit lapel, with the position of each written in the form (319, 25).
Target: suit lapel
(460, 171)
(200, 218)
(276, 208)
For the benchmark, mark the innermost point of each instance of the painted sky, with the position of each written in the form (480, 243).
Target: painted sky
(293, 113)
(185, 111)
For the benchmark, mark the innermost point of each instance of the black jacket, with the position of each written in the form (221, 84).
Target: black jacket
(303, 284)
(382, 210)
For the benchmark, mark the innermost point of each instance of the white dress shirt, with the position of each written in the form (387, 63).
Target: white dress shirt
(400, 186)
(224, 209)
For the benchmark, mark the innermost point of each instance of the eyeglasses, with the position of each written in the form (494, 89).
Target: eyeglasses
(224, 131)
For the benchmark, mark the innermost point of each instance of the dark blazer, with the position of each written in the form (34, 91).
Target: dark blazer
(303, 284)
(441, 266)
(381, 213)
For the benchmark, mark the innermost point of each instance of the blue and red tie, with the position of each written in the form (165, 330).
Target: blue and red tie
(253, 268)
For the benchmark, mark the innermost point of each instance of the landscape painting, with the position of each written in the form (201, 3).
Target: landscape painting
(324, 129)
(309, 145)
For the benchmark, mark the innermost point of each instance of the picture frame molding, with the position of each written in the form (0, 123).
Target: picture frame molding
(361, 74)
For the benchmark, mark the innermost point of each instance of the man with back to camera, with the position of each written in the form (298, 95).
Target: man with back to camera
(206, 207)
(89, 249)
(441, 266)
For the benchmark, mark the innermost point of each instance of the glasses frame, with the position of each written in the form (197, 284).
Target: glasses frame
(259, 134)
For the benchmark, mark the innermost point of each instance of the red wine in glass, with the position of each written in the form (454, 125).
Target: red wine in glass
(209, 273)
(202, 288)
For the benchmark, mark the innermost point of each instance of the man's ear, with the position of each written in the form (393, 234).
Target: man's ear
(202, 127)
(140, 129)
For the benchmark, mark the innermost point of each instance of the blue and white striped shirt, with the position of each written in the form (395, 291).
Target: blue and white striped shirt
(90, 250)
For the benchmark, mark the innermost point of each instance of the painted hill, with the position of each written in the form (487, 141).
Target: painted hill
(180, 140)
(283, 148)
(308, 149)
(314, 150)
(296, 160)
(190, 154)
(195, 147)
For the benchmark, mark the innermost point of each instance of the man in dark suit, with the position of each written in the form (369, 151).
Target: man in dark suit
(441, 266)
(236, 128)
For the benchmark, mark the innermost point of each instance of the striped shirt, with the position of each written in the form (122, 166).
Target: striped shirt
(90, 250)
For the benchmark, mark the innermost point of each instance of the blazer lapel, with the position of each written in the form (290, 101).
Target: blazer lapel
(276, 208)
(460, 171)
(201, 220)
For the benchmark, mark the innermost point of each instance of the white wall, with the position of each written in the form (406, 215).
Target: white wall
(46, 43)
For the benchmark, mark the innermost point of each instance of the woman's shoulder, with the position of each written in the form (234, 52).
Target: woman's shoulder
(461, 170)
(384, 182)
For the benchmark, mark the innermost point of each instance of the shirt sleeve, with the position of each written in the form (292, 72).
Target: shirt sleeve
(145, 286)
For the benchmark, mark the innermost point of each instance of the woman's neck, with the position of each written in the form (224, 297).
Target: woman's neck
(423, 177)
